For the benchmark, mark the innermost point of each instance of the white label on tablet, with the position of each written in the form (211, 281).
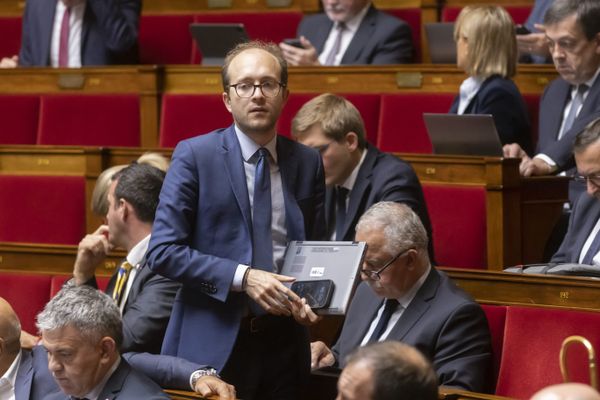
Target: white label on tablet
(317, 272)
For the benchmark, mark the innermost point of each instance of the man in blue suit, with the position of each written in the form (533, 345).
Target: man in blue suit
(231, 201)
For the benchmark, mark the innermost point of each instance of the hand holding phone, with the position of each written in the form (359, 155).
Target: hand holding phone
(293, 42)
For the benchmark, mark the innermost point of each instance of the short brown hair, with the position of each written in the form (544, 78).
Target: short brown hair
(269, 47)
(491, 40)
(336, 115)
(588, 136)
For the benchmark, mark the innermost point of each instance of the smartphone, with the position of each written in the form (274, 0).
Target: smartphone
(317, 293)
(522, 30)
(294, 42)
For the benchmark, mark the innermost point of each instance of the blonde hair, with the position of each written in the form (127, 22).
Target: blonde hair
(489, 32)
(336, 116)
(99, 201)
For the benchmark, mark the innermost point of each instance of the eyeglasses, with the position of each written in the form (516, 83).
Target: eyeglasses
(376, 275)
(593, 178)
(268, 88)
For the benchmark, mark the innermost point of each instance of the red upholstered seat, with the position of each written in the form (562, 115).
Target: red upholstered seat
(412, 16)
(496, 317)
(532, 341)
(269, 26)
(185, 116)
(10, 32)
(19, 116)
(42, 209)
(458, 219)
(90, 120)
(401, 126)
(533, 108)
(58, 281)
(165, 39)
(519, 14)
(27, 294)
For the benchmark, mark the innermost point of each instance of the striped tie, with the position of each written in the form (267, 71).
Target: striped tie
(122, 276)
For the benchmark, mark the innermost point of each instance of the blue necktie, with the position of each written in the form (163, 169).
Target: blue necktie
(575, 105)
(340, 216)
(592, 251)
(390, 306)
(262, 241)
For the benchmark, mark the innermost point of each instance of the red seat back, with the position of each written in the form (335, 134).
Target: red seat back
(42, 209)
(165, 39)
(532, 341)
(10, 32)
(90, 120)
(519, 14)
(401, 126)
(58, 281)
(458, 220)
(19, 115)
(27, 294)
(412, 16)
(532, 101)
(496, 317)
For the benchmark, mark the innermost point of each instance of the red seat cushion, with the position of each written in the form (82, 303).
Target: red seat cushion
(27, 294)
(496, 317)
(458, 212)
(532, 101)
(519, 14)
(401, 126)
(532, 341)
(185, 116)
(58, 281)
(10, 32)
(42, 209)
(90, 120)
(412, 16)
(165, 39)
(19, 115)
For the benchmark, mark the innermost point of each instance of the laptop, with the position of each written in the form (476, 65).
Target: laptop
(215, 40)
(440, 40)
(339, 262)
(470, 134)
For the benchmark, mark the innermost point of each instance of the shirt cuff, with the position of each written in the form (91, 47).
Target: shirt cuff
(546, 159)
(238, 278)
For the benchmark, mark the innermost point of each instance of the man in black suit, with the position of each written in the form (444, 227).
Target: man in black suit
(350, 32)
(357, 174)
(402, 297)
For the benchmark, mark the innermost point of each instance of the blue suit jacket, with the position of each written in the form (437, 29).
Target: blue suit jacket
(202, 231)
(34, 381)
(584, 215)
(380, 38)
(109, 33)
(167, 371)
(442, 322)
(501, 98)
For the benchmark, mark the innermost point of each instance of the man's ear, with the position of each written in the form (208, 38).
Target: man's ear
(227, 101)
(351, 141)
(124, 209)
(411, 259)
(108, 347)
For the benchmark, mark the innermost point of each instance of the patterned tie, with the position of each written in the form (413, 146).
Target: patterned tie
(262, 241)
(121, 283)
(340, 215)
(336, 44)
(63, 49)
(592, 251)
(390, 306)
(575, 106)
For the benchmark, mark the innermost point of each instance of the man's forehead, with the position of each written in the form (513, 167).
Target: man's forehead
(246, 62)
(568, 27)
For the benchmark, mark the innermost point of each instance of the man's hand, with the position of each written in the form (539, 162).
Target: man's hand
(300, 57)
(9, 62)
(28, 341)
(320, 355)
(266, 289)
(513, 150)
(534, 43)
(92, 250)
(535, 166)
(303, 314)
(211, 385)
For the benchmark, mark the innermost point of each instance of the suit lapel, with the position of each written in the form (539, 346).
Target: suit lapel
(592, 215)
(115, 383)
(24, 376)
(329, 210)
(590, 103)
(138, 281)
(361, 188)
(556, 109)
(368, 309)
(361, 37)
(49, 9)
(322, 35)
(288, 167)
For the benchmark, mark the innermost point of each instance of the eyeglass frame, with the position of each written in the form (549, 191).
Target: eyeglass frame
(593, 178)
(259, 85)
(376, 275)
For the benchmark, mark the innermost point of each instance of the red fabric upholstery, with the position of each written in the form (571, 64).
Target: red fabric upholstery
(269, 26)
(458, 219)
(90, 120)
(58, 281)
(496, 317)
(367, 105)
(533, 108)
(185, 116)
(532, 340)
(19, 116)
(10, 32)
(412, 16)
(27, 294)
(519, 14)
(165, 39)
(401, 126)
(42, 209)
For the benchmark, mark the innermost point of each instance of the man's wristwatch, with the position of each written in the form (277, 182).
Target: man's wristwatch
(200, 373)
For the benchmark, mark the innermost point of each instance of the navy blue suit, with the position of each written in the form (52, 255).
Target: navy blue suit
(109, 33)
(380, 38)
(202, 231)
(33, 378)
(501, 98)
(167, 371)
(442, 322)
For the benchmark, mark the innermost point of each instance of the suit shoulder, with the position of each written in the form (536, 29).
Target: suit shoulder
(389, 19)
(390, 165)
(453, 296)
(298, 148)
(138, 384)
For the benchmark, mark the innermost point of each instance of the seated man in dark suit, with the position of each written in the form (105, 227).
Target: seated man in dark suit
(581, 244)
(75, 33)
(402, 297)
(387, 371)
(350, 32)
(357, 174)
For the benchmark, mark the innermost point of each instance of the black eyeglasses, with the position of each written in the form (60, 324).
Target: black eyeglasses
(594, 178)
(376, 275)
(247, 89)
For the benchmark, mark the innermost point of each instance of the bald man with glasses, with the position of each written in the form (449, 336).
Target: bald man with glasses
(402, 297)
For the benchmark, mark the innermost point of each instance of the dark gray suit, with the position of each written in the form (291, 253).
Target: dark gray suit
(380, 38)
(33, 379)
(442, 322)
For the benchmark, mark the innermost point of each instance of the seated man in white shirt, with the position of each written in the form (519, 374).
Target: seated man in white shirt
(402, 297)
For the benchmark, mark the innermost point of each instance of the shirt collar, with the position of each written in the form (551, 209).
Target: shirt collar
(95, 392)
(410, 295)
(353, 23)
(11, 373)
(351, 180)
(137, 255)
(249, 146)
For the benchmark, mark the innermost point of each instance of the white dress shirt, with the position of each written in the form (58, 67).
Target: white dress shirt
(75, 30)
(588, 243)
(137, 258)
(7, 381)
(468, 90)
(347, 36)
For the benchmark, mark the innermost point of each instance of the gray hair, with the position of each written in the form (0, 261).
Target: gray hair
(401, 226)
(587, 11)
(94, 314)
(587, 137)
